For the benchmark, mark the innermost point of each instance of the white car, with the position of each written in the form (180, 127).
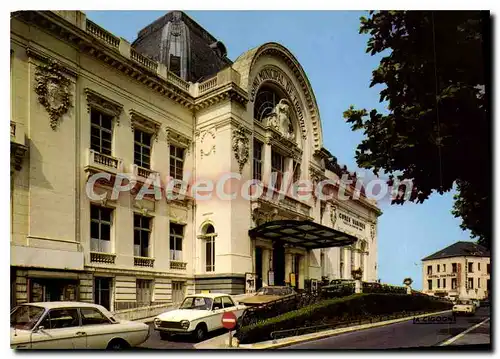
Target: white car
(464, 306)
(72, 325)
(197, 315)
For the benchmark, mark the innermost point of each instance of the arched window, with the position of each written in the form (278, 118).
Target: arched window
(208, 235)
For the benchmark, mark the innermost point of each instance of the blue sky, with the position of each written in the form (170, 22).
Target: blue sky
(332, 53)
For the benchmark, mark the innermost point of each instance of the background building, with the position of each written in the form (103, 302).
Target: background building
(461, 270)
(85, 101)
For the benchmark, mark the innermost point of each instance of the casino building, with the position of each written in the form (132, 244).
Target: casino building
(86, 102)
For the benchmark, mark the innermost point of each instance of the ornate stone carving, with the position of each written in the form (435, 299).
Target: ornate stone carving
(138, 120)
(333, 214)
(207, 142)
(53, 90)
(372, 231)
(279, 120)
(102, 103)
(177, 139)
(240, 147)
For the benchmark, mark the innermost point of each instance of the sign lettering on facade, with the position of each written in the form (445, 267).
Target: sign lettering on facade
(276, 75)
(352, 222)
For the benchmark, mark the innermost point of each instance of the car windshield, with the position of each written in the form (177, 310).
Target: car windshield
(25, 316)
(273, 291)
(466, 302)
(200, 303)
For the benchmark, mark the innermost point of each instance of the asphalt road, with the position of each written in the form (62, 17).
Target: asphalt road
(402, 335)
(175, 342)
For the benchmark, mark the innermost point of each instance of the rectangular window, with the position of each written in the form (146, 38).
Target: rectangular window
(478, 266)
(453, 283)
(210, 254)
(296, 171)
(470, 283)
(488, 268)
(227, 302)
(444, 268)
(438, 283)
(257, 160)
(52, 290)
(429, 270)
(176, 237)
(142, 148)
(175, 65)
(479, 282)
(142, 231)
(453, 267)
(100, 229)
(101, 132)
(429, 284)
(277, 167)
(438, 266)
(471, 267)
(177, 292)
(144, 293)
(176, 162)
(102, 292)
(92, 316)
(444, 283)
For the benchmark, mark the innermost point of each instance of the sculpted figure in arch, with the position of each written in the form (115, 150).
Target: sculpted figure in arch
(282, 111)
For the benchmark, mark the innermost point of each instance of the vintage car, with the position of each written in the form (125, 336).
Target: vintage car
(197, 315)
(72, 325)
(464, 306)
(267, 294)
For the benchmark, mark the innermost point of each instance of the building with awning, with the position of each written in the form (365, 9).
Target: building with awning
(169, 104)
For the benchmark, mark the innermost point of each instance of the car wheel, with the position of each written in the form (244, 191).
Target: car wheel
(118, 344)
(164, 336)
(200, 332)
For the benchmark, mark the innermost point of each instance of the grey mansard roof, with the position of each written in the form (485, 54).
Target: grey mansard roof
(460, 249)
(201, 54)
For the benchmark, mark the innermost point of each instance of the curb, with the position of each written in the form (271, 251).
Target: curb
(274, 344)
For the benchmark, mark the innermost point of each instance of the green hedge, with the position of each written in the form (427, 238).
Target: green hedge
(339, 310)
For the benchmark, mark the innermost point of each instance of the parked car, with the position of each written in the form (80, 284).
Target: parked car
(197, 315)
(464, 306)
(476, 303)
(72, 325)
(267, 294)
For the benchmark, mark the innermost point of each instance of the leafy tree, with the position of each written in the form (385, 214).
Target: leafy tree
(436, 131)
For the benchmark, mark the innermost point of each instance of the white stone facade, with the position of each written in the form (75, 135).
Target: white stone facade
(119, 252)
(457, 277)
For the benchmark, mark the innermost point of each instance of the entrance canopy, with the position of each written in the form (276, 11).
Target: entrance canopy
(305, 234)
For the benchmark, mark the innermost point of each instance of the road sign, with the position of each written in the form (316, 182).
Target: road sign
(229, 320)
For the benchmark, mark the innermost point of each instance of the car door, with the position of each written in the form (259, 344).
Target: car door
(60, 329)
(98, 328)
(216, 317)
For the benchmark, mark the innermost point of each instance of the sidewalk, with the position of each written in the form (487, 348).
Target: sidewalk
(221, 342)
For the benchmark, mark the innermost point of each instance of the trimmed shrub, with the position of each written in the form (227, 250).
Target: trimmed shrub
(364, 305)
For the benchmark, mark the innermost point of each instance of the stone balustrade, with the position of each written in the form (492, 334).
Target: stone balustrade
(143, 262)
(178, 265)
(103, 35)
(100, 257)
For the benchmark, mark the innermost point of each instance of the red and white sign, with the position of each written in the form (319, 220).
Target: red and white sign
(228, 320)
